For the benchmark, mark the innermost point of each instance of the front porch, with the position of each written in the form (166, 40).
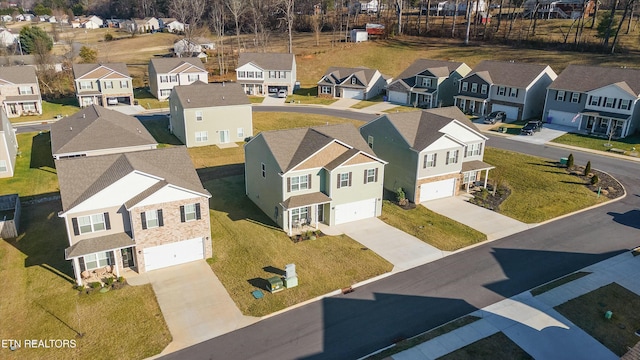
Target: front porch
(303, 212)
(605, 124)
(472, 174)
(424, 98)
(471, 105)
(15, 106)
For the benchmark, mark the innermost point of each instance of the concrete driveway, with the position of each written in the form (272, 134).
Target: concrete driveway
(548, 133)
(344, 103)
(494, 225)
(195, 305)
(128, 109)
(380, 107)
(273, 99)
(399, 248)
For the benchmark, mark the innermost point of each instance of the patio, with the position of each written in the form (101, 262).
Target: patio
(98, 275)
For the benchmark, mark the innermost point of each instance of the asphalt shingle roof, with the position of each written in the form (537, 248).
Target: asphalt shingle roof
(80, 70)
(267, 61)
(201, 95)
(508, 73)
(439, 67)
(339, 74)
(18, 74)
(586, 78)
(164, 65)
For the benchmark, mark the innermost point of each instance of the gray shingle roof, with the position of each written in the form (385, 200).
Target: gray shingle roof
(339, 74)
(267, 61)
(164, 65)
(293, 146)
(80, 178)
(19, 74)
(201, 95)
(97, 128)
(586, 78)
(80, 70)
(438, 67)
(99, 244)
(509, 73)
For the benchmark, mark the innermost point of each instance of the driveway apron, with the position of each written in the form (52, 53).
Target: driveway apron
(273, 100)
(344, 103)
(548, 133)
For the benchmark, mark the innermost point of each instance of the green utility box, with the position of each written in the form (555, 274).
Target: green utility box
(564, 161)
(275, 284)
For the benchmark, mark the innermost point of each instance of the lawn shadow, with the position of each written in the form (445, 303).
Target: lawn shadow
(308, 91)
(64, 101)
(547, 163)
(41, 157)
(274, 270)
(572, 182)
(158, 127)
(630, 218)
(259, 283)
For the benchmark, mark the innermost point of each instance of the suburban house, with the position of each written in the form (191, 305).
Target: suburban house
(7, 38)
(165, 73)
(518, 89)
(103, 84)
(141, 210)
(308, 176)
(210, 114)
(171, 25)
(95, 130)
(147, 24)
(427, 83)
(8, 146)
(19, 91)
(352, 83)
(596, 100)
(192, 47)
(266, 73)
(91, 22)
(432, 153)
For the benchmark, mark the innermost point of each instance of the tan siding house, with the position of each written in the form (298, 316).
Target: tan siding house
(266, 73)
(165, 73)
(8, 147)
(19, 91)
(103, 84)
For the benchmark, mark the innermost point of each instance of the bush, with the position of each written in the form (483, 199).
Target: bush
(109, 281)
(570, 161)
(121, 279)
(594, 180)
(108, 37)
(587, 169)
(95, 285)
(401, 197)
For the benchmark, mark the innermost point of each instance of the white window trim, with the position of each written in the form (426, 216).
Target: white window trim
(484, 89)
(429, 160)
(575, 97)
(240, 133)
(371, 175)
(202, 136)
(560, 96)
(199, 116)
(474, 87)
(344, 180)
(92, 223)
(151, 215)
(465, 86)
(188, 214)
(97, 258)
(298, 181)
(502, 90)
(3, 166)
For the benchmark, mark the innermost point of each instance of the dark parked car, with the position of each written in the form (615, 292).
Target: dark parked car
(531, 127)
(495, 117)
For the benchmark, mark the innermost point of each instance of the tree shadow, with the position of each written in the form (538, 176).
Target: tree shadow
(631, 218)
(158, 127)
(41, 157)
(573, 182)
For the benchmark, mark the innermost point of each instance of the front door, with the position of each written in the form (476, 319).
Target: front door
(224, 136)
(127, 257)
(320, 215)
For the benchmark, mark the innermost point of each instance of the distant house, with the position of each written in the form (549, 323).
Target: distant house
(8, 146)
(6, 18)
(92, 22)
(171, 25)
(19, 91)
(427, 83)
(352, 83)
(95, 131)
(12, 60)
(7, 38)
(210, 114)
(265, 73)
(186, 47)
(165, 73)
(103, 84)
(147, 24)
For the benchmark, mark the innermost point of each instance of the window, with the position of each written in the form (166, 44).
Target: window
(3, 166)
(595, 100)
(202, 136)
(575, 97)
(300, 213)
(250, 74)
(26, 90)
(173, 78)
(151, 219)
(370, 141)
(513, 92)
(560, 95)
(483, 89)
(90, 223)
(240, 133)
(624, 104)
(96, 260)
(190, 212)
(242, 74)
(108, 85)
(474, 87)
(297, 183)
(124, 84)
(370, 175)
(465, 86)
(608, 102)
(452, 157)
(429, 160)
(473, 150)
(85, 85)
(283, 74)
(259, 74)
(165, 92)
(469, 177)
(354, 81)
(198, 115)
(263, 170)
(344, 180)
(29, 106)
(193, 77)
(426, 82)
(325, 89)
(86, 101)
(501, 90)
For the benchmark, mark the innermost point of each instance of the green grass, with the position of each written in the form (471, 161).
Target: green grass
(264, 121)
(496, 347)
(245, 241)
(256, 99)
(598, 143)
(159, 129)
(309, 96)
(51, 108)
(539, 189)
(434, 229)
(147, 100)
(557, 283)
(38, 301)
(587, 312)
(366, 103)
(35, 172)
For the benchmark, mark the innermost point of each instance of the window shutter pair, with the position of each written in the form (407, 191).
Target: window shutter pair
(375, 175)
(182, 214)
(76, 228)
(143, 218)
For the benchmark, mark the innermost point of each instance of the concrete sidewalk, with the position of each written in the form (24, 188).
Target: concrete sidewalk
(380, 107)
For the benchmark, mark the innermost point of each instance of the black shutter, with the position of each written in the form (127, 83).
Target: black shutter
(160, 219)
(365, 176)
(480, 149)
(349, 178)
(107, 223)
(309, 181)
(81, 262)
(76, 229)
(338, 181)
(182, 213)
(198, 211)
(143, 218)
(446, 161)
(288, 184)
(112, 258)
(375, 177)
(456, 156)
(466, 148)
(435, 157)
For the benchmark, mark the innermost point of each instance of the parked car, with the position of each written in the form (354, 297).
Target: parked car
(282, 93)
(531, 127)
(495, 117)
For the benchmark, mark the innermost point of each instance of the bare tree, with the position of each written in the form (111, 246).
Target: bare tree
(627, 7)
(399, 4)
(259, 17)
(287, 8)
(237, 8)
(218, 19)
(189, 13)
(317, 21)
(607, 34)
(455, 16)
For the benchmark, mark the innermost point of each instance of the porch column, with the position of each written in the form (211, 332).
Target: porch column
(316, 215)
(115, 260)
(609, 127)
(289, 222)
(486, 176)
(76, 271)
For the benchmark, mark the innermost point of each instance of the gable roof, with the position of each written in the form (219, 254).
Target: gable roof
(80, 70)
(508, 73)
(340, 74)
(96, 128)
(165, 65)
(199, 95)
(267, 61)
(421, 128)
(586, 78)
(18, 74)
(291, 147)
(441, 68)
(82, 177)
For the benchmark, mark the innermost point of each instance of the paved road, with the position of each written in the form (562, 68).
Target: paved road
(408, 303)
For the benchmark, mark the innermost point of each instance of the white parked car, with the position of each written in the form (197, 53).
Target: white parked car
(282, 93)
(112, 101)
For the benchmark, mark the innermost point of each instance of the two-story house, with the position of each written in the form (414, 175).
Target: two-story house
(8, 147)
(427, 83)
(266, 73)
(210, 114)
(597, 100)
(165, 73)
(103, 84)
(432, 153)
(307, 176)
(95, 130)
(19, 91)
(352, 83)
(518, 89)
(142, 210)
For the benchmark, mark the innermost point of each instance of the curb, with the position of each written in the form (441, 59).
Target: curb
(592, 151)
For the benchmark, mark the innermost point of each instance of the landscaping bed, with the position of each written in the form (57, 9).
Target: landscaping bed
(557, 283)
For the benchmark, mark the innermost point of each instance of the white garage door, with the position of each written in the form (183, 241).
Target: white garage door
(355, 211)
(437, 190)
(180, 252)
(352, 94)
(562, 118)
(511, 111)
(397, 97)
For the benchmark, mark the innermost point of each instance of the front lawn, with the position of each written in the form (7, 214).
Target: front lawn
(38, 301)
(366, 103)
(51, 108)
(540, 190)
(147, 100)
(430, 227)
(265, 121)
(629, 144)
(248, 248)
(256, 99)
(35, 172)
(309, 96)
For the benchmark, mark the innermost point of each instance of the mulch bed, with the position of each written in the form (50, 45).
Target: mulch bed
(488, 200)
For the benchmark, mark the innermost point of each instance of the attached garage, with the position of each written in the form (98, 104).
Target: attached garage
(511, 111)
(357, 210)
(437, 189)
(352, 94)
(176, 253)
(562, 118)
(398, 97)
